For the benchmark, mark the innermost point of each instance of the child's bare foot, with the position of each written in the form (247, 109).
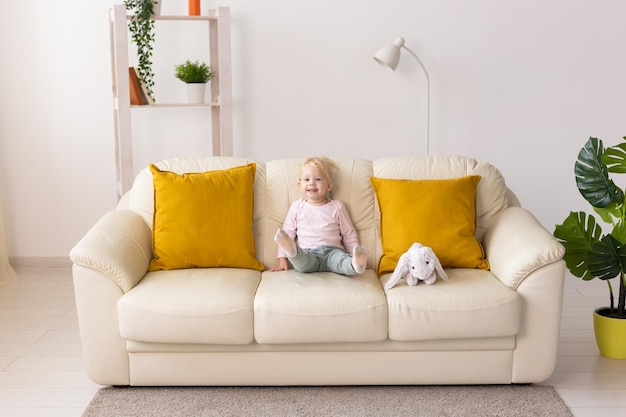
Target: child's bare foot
(286, 243)
(359, 259)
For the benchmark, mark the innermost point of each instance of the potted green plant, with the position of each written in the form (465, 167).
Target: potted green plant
(591, 254)
(195, 74)
(141, 26)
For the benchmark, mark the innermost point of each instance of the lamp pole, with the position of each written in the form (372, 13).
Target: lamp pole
(390, 56)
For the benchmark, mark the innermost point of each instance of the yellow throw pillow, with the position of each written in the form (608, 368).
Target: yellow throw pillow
(436, 213)
(204, 219)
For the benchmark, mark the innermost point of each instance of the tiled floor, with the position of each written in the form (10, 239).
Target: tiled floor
(590, 384)
(41, 372)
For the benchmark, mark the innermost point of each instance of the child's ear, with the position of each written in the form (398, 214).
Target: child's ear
(330, 185)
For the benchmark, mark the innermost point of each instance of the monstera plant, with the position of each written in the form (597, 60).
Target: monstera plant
(590, 253)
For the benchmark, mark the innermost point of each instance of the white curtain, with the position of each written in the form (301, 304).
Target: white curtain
(7, 274)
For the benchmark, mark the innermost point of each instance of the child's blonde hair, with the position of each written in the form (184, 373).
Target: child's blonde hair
(322, 163)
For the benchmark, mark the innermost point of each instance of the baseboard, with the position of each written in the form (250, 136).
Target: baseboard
(40, 262)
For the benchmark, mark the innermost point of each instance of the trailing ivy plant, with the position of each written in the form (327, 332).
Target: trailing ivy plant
(141, 26)
(588, 253)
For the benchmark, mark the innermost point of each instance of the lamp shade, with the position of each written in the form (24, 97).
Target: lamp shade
(390, 55)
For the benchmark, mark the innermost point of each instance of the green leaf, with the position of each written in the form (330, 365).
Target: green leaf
(578, 233)
(607, 258)
(619, 231)
(193, 72)
(141, 26)
(615, 158)
(592, 176)
(610, 213)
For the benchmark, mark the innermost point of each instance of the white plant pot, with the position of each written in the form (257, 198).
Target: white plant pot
(196, 92)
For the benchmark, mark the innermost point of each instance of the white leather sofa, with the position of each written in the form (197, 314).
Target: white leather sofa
(229, 326)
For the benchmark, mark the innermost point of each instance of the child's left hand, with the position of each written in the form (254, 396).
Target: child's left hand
(282, 265)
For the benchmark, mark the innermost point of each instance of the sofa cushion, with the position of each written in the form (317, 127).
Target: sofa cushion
(438, 213)
(293, 307)
(204, 219)
(201, 305)
(491, 192)
(472, 303)
(140, 198)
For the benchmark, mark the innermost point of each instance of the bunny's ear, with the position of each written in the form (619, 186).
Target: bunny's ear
(416, 246)
(401, 270)
(440, 270)
(430, 254)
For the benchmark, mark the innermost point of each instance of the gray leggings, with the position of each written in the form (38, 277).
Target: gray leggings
(323, 259)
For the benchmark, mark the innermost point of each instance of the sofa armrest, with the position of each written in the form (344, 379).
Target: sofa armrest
(516, 244)
(119, 246)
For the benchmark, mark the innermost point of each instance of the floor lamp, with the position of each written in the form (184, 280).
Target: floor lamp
(389, 56)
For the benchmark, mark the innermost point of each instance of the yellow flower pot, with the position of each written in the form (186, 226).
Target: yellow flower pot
(610, 334)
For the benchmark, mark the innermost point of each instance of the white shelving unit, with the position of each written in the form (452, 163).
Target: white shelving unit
(218, 21)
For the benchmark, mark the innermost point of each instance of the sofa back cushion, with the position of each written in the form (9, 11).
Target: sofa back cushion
(491, 191)
(275, 188)
(141, 195)
(351, 185)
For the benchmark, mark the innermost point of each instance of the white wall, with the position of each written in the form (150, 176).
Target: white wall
(520, 84)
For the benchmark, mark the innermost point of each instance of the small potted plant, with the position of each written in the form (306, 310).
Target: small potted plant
(591, 254)
(195, 75)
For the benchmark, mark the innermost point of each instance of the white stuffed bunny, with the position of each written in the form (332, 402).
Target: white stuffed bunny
(419, 263)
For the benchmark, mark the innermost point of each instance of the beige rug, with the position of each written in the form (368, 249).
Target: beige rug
(396, 401)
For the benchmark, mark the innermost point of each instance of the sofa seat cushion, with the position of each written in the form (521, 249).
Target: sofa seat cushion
(472, 303)
(293, 307)
(203, 305)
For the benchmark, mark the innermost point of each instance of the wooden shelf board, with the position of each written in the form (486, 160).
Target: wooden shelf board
(179, 17)
(170, 105)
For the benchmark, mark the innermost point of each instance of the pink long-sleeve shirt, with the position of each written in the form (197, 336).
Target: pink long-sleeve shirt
(314, 226)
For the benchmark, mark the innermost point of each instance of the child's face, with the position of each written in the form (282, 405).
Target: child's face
(314, 185)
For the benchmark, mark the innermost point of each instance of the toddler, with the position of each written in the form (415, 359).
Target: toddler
(317, 234)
